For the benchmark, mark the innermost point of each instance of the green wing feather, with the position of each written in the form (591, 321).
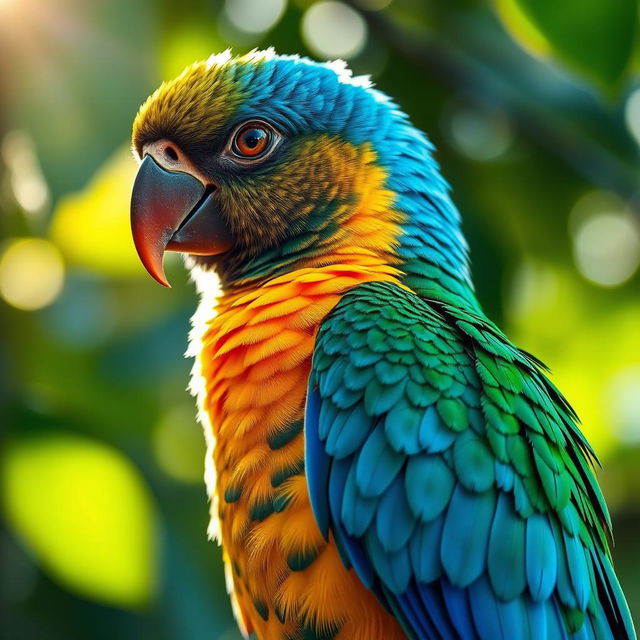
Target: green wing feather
(454, 476)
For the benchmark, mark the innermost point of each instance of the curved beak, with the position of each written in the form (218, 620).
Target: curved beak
(173, 211)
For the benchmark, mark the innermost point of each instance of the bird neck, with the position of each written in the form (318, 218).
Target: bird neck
(432, 251)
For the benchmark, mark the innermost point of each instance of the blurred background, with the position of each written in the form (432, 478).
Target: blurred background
(535, 109)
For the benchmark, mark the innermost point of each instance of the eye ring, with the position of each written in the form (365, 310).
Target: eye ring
(252, 141)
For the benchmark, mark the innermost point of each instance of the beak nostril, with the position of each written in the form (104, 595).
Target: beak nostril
(171, 154)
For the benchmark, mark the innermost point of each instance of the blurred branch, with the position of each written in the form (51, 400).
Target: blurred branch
(475, 74)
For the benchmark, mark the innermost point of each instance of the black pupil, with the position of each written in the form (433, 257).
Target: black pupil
(253, 137)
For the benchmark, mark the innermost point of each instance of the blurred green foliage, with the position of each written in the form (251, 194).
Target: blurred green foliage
(95, 505)
(535, 110)
(596, 38)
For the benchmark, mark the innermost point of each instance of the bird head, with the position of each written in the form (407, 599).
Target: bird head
(257, 164)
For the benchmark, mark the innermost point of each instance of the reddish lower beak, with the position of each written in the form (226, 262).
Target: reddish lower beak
(173, 211)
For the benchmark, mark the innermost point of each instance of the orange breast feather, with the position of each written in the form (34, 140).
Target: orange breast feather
(286, 580)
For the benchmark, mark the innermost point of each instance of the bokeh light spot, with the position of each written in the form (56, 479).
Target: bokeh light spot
(606, 248)
(31, 273)
(254, 16)
(334, 30)
(534, 286)
(623, 397)
(25, 175)
(178, 444)
(632, 114)
(479, 134)
(591, 203)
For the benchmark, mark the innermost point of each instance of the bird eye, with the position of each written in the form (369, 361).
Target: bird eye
(253, 141)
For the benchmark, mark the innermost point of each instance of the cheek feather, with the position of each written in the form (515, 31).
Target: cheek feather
(324, 183)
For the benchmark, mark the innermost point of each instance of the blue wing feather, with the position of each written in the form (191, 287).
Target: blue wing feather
(457, 602)
(394, 521)
(415, 616)
(433, 602)
(540, 557)
(357, 511)
(506, 555)
(316, 462)
(424, 550)
(465, 537)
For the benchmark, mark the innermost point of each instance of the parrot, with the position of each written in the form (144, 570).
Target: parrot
(382, 462)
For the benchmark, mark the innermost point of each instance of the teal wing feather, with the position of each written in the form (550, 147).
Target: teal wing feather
(454, 477)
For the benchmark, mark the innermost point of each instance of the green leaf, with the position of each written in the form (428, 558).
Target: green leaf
(86, 515)
(592, 36)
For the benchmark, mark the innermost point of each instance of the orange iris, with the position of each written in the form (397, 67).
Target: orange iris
(251, 141)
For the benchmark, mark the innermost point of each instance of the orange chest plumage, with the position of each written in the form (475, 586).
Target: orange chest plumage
(286, 580)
